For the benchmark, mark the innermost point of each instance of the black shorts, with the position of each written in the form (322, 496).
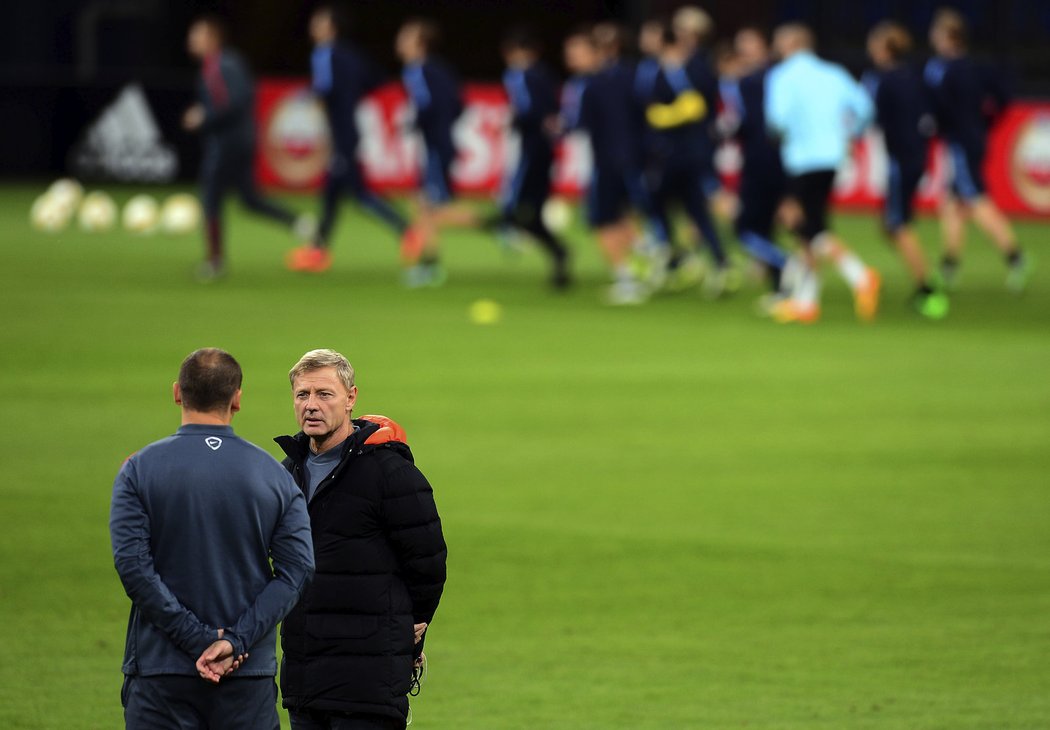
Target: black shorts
(222, 168)
(610, 195)
(903, 182)
(812, 190)
(760, 198)
(967, 171)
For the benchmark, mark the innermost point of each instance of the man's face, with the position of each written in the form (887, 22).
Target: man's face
(651, 39)
(751, 48)
(322, 30)
(409, 44)
(580, 55)
(322, 404)
(201, 40)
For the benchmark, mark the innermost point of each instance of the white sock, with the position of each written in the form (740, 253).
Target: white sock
(848, 263)
(622, 272)
(807, 291)
(794, 270)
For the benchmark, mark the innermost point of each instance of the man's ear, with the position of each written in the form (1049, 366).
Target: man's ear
(176, 393)
(235, 404)
(351, 399)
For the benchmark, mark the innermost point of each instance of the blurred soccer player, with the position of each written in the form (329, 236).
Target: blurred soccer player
(967, 97)
(342, 76)
(533, 94)
(598, 99)
(762, 180)
(903, 114)
(224, 116)
(679, 104)
(817, 108)
(693, 29)
(434, 90)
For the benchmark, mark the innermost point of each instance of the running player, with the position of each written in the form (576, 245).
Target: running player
(966, 98)
(598, 99)
(342, 76)
(224, 117)
(762, 180)
(434, 90)
(533, 94)
(678, 108)
(817, 109)
(903, 115)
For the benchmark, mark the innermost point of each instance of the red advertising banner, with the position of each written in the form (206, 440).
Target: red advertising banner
(294, 146)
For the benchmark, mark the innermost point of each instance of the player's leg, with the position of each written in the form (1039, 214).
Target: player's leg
(952, 219)
(254, 201)
(756, 213)
(527, 214)
(419, 246)
(656, 250)
(969, 185)
(898, 214)
(316, 257)
(213, 187)
(606, 211)
(991, 220)
(373, 203)
(804, 211)
(863, 281)
(698, 208)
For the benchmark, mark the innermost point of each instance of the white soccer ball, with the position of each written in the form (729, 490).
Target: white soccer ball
(49, 214)
(557, 214)
(141, 214)
(98, 212)
(67, 192)
(181, 214)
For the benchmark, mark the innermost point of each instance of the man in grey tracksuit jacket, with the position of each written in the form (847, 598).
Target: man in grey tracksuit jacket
(196, 520)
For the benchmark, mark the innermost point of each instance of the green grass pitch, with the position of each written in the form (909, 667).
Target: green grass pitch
(676, 516)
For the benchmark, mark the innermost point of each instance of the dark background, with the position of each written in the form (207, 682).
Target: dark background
(61, 61)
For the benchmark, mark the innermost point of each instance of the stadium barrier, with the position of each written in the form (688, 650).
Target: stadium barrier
(293, 149)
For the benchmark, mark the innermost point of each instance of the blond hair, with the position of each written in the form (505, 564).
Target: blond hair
(317, 359)
(693, 21)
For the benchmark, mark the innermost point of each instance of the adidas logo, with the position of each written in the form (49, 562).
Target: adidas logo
(125, 143)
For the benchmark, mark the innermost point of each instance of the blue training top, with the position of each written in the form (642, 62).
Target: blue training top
(196, 520)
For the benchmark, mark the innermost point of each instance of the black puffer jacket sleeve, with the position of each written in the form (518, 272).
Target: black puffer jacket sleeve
(413, 527)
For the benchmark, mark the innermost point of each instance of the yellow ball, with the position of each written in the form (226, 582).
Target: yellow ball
(485, 311)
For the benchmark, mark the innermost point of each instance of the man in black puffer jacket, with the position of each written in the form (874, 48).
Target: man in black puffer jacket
(351, 645)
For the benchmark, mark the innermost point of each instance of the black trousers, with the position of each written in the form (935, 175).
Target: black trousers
(321, 720)
(223, 168)
(170, 702)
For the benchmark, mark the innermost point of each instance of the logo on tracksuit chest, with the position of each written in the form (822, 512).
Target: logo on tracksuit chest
(214, 442)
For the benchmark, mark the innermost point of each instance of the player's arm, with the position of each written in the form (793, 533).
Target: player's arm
(778, 104)
(292, 555)
(859, 105)
(413, 527)
(997, 94)
(688, 106)
(130, 534)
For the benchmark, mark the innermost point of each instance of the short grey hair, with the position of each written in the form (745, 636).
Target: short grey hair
(317, 359)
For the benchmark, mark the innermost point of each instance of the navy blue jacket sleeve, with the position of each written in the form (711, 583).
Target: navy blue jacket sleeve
(410, 518)
(292, 555)
(130, 535)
